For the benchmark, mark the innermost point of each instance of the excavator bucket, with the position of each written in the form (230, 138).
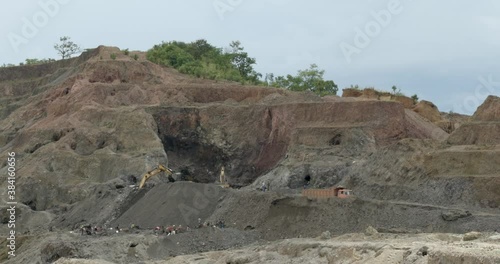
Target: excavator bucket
(152, 173)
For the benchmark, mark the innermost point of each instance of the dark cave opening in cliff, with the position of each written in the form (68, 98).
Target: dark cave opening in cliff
(307, 178)
(196, 161)
(336, 140)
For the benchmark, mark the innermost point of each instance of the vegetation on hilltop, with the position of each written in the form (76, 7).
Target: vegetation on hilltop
(306, 80)
(66, 48)
(395, 91)
(203, 60)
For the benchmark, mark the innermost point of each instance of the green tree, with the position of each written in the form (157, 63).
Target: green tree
(169, 54)
(312, 80)
(396, 91)
(37, 61)
(307, 80)
(242, 61)
(200, 48)
(32, 61)
(201, 59)
(415, 98)
(269, 79)
(66, 48)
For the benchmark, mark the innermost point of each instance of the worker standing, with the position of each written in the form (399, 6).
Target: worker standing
(222, 176)
(264, 186)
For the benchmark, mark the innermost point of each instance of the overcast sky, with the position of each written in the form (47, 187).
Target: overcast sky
(444, 51)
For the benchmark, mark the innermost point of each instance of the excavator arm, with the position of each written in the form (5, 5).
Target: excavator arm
(152, 173)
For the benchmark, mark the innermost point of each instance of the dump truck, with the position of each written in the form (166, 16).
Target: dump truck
(339, 191)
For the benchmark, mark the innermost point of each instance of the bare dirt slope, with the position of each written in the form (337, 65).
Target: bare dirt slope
(483, 128)
(359, 248)
(139, 247)
(84, 130)
(180, 203)
(375, 248)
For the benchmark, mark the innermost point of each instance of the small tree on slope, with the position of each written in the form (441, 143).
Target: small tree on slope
(66, 48)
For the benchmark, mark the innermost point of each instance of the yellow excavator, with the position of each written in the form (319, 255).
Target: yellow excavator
(152, 173)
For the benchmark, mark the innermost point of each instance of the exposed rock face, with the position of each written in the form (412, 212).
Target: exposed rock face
(428, 110)
(246, 141)
(370, 93)
(484, 127)
(407, 102)
(489, 111)
(351, 92)
(251, 141)
(419, 127)
(447, 122)
(474, 153)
